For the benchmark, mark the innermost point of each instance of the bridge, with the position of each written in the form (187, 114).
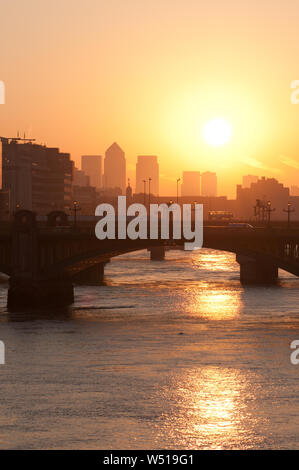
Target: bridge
(43, 261)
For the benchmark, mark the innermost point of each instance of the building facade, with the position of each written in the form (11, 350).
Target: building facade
(209, 184)
(247, 180)
(115, 168)
(147, 167)
(191, 183)
(37, 177)
(80, 178)
(92, 167)
(294, 191)
(250, 201)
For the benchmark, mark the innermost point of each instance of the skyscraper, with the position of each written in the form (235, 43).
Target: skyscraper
(80, 178)
(294, 191)
(147, 167)
(191, 183)
(209, 184)
(247, 180)
(115, 168)
(92, 167)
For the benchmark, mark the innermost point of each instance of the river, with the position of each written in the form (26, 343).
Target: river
(172, 354)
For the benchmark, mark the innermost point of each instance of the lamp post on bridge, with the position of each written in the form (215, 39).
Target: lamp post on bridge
(17, 208)
(289, 210)
(269, 210)
(257, 210)
(149, 193)
(75, 209)
(177, 190)
(144, 192)
(264, 209)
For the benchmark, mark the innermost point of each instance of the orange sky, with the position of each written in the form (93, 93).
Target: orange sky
(149, 74)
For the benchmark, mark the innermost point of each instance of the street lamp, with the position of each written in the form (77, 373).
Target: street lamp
(177, 190)
(149, 192)
(144, 192)
(269, 210)
(289, 210)
(75, 209)
(257, 209)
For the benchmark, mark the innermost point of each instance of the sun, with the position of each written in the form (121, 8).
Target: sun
(217, 132)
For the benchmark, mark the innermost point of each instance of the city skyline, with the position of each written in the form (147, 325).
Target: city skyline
(171, 84)
(149, 229)
(43, 179)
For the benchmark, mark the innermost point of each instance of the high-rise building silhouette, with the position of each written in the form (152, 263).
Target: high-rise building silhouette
(92, 167)
(247, 180)
(191, 183)
(147, 167)
(209, 184)
(37, 177)
(264, 190)
(294, 190)
(115, 168)
(80, 178)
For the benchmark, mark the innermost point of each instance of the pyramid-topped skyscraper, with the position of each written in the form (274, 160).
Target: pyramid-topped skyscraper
(115, 168)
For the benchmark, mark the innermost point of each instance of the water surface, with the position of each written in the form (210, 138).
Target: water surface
(173, 354)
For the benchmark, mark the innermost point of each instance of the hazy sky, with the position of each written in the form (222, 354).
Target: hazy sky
(148, 74)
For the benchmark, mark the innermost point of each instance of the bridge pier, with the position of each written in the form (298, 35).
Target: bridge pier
(253, 271)
(157, 253)
(92, 276)
(24, 293)
(29, 286)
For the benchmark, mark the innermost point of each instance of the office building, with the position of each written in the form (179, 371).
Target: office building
(92, 167)
(209, 184)
(147, 167)
(191, 183)
(115, 168)
(247, 180)
(258, 195)
(294, 191)
(37, 177)
(80, 178)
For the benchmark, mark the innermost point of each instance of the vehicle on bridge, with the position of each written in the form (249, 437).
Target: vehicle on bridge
(239, 225)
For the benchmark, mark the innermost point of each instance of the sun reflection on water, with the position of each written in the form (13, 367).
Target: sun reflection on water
(209, 409)
(213, 302)
(214, 260)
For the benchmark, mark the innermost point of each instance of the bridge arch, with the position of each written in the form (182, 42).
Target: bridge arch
(42, 260)
(253, 263)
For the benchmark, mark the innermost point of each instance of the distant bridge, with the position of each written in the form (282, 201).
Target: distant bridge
(43, 261)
